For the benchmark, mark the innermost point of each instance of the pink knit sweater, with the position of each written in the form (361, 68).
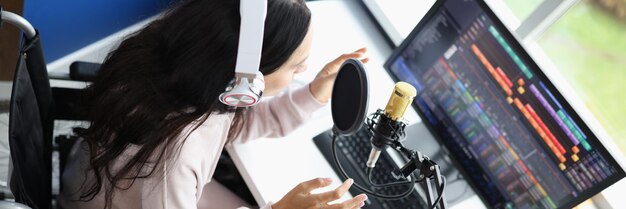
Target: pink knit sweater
(180, 183)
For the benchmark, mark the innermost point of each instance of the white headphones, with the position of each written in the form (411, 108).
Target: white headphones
(247, 87)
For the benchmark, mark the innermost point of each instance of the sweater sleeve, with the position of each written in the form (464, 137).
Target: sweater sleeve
(179, 186)
(268, 206)
(278, 116)
(183, 179)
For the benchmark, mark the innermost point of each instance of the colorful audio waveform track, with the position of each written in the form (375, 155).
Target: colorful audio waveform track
(580, 173)
(583, 172)
(510, 51)
(492, 71)
(547, 135)
(569, 122)
(553, 114)
(498, 155)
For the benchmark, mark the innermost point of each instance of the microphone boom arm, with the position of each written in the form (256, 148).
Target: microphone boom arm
(428, 169)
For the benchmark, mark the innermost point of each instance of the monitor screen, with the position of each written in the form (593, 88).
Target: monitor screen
(516, 139)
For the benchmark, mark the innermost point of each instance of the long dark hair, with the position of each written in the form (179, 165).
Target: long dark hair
(168, 75)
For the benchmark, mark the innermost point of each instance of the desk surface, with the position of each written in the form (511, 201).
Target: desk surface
(272, 167)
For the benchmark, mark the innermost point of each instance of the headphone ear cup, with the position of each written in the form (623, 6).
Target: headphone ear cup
(244, 93)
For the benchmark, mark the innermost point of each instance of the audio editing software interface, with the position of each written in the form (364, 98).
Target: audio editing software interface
(511, 133)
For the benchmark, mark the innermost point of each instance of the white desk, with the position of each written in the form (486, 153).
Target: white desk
(272, 167)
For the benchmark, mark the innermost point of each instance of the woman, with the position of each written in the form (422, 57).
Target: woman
(157, 127)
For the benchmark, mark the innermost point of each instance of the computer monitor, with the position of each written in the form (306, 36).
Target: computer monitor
(513, 135)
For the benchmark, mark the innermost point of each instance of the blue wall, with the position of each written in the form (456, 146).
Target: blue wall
(68, 25)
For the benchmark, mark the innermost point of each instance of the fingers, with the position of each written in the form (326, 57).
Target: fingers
(360, 50)
(358, 54)
(345, 57)
(363, 51)
(312, 184)
(334, 194)
(355, 202)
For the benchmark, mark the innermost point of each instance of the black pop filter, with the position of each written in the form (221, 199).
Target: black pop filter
(349, 99)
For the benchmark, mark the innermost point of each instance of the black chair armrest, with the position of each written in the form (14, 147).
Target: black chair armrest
(84, 71)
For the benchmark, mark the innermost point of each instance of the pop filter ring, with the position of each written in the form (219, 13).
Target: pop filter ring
(347, 71)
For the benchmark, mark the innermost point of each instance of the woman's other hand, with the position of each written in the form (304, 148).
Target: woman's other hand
(300, 197)
(322, 86)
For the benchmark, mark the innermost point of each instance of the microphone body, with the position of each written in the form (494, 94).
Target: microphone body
(390, 124)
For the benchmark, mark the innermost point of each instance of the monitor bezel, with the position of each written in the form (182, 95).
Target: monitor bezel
(523, 54)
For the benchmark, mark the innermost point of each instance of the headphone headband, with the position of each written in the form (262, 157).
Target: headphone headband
(250, 36)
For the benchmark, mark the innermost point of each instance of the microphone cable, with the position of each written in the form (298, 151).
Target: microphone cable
(398, 183)
(439, 196)
(369, 192)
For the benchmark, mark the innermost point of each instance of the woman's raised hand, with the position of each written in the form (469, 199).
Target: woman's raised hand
(322, 86)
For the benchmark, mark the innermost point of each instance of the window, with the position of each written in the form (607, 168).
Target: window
(587, 46)
(522, 9)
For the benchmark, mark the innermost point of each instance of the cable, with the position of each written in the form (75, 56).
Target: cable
(363, 189)
(399, 183)
(440, 195)
(443, 187)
